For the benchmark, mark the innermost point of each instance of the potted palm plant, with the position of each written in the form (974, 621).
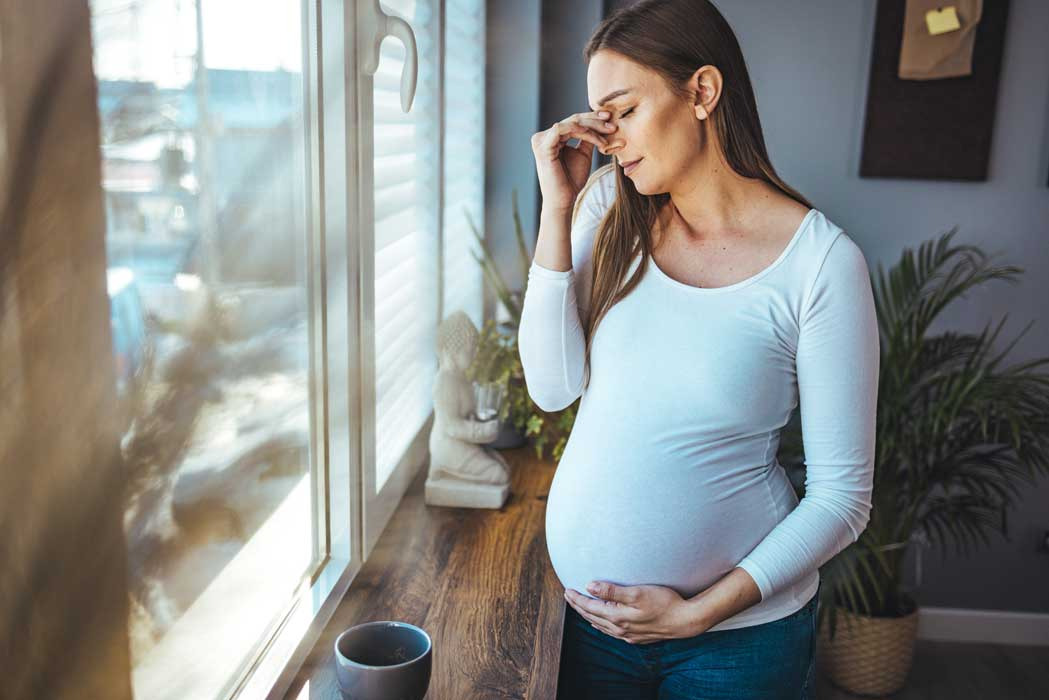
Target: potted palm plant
(498, 359)
(956, 435)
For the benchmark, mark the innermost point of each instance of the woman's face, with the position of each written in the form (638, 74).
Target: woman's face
(655, 125)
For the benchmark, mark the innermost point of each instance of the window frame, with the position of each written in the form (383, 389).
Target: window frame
(330, 84)
(348, 518)
(340, 169)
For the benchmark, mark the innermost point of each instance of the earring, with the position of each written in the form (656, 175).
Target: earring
(701, 113)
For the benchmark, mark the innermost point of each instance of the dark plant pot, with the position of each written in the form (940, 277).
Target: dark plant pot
(509, 437)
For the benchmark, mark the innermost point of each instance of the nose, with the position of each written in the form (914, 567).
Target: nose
(615, 143)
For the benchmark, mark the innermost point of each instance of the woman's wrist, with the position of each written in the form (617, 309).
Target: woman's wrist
(555, 212)
(733, 593)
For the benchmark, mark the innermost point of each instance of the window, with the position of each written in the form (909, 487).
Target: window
(282, 240)
(206, 157)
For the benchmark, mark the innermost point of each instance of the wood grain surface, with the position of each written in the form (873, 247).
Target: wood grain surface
(479, 581)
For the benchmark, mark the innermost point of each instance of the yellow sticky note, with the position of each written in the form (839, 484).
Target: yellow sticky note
(942, 19)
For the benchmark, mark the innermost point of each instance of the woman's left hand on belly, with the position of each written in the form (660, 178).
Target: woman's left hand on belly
(637, 614)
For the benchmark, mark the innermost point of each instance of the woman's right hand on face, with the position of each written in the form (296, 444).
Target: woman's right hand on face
(562, 169)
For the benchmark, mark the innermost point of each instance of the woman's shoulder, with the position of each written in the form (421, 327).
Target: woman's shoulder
(831, 241)
(837, 261)
(822, 251)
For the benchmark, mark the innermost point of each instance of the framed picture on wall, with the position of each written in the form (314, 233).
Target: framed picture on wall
(927, 126)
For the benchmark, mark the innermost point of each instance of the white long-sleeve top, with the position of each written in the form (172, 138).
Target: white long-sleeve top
(670, 476)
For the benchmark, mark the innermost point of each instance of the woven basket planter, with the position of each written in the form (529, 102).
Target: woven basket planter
(868, 655)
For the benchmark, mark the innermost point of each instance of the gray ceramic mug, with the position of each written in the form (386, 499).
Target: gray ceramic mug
(383, 661)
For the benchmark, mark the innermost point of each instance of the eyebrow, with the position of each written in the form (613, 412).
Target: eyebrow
(612, 95)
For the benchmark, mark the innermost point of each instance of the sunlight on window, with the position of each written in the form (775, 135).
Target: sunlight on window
(204, 174)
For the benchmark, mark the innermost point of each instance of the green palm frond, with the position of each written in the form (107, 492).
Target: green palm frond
(851, 577)
(491, 272)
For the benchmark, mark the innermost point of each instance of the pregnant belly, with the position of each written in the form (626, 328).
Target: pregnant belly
(680, 526)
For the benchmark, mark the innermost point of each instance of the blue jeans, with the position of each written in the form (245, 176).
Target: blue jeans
(771, 661)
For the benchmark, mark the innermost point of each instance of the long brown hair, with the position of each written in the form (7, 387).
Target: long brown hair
(674, 38)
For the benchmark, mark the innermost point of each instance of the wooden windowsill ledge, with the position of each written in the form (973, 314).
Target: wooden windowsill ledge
(479, 581)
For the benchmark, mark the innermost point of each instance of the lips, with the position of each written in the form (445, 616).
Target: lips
(630, 166)
(628, 163)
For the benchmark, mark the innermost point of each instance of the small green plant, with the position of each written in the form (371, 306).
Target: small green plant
(498, 360)
(495, 358)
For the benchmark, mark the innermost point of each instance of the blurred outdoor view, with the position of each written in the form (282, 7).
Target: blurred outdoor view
(205, 179)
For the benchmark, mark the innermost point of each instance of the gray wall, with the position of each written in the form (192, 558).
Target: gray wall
(809, 61)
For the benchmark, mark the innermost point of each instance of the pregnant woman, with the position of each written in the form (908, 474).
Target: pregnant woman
(693, 300)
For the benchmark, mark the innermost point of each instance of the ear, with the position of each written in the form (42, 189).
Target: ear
(705, 86)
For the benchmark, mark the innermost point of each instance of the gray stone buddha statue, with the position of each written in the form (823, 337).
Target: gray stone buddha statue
(462, 471)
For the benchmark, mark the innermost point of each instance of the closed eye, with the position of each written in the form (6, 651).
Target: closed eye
(626, 112)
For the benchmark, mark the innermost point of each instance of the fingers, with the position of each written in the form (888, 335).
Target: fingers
(610, 628)
(597, 606)
(596, 122)
(600, 623)
(624, 628)
(590, 124)
(574, 130)
(586, 126)
(609, 611)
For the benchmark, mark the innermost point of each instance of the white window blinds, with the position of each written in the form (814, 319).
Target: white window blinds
(464, 150)
(406, 238)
